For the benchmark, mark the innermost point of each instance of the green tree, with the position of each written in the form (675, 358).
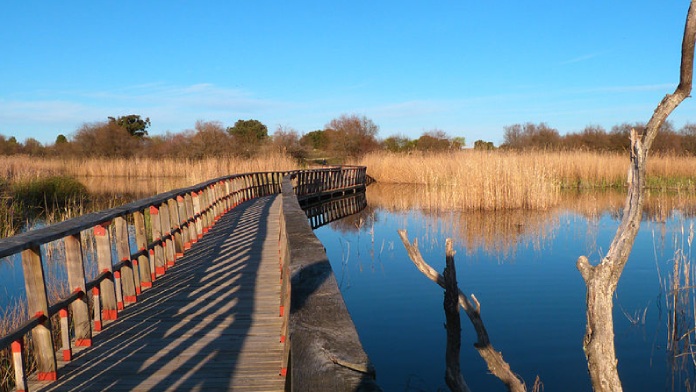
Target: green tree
(61, 139)
(249, 130)
(458, 142)
(316, 140)
(483, 145)
(248, 136)
(398, 143)
(133, 124)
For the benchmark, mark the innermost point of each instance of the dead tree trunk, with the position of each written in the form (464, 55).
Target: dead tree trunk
(453, 375)
(601, 279)
(494, 359)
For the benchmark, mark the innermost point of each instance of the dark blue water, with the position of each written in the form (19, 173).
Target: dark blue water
(521, 267)
(522, 270)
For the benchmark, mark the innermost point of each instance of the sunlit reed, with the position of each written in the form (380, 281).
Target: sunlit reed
(493, 180)
(195, 171)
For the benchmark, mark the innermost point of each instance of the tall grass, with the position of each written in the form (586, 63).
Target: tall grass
(476, 179)
(680, 300)
(492, 180)
(21, 167)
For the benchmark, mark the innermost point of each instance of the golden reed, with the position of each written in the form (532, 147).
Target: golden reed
(472, 180)
(194, 171)
(496, 180)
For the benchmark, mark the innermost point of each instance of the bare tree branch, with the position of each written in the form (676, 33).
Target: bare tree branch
(494, 359)
(601, 280)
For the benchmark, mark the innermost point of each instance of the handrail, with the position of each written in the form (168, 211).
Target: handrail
(179, 218)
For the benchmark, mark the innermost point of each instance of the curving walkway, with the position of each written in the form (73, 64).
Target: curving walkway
(210, 323)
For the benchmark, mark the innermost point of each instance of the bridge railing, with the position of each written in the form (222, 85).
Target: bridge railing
(175, 221)
(322, 350)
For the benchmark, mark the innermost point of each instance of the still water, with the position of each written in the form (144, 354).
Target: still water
(521, 267)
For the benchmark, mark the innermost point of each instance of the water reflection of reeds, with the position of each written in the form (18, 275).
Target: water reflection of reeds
(501, 232)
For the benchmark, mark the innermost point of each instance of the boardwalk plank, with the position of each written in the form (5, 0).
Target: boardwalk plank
(210, 323)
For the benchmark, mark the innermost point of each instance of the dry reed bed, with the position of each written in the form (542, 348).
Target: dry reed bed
(477, 180)
(491, 180)
(195, 171)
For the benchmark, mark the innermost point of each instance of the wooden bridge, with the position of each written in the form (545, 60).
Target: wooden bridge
(220, 286)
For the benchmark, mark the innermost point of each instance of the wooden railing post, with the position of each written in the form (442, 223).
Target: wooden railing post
(177, 228)
(37, 304)
(196, 201)
(18, 363)
(158, 251)
(209, 193)
(141, 244)
(183, 224)
(236, 192)
(207, 220)
(202, 200)
(76, 281)
(216, 201)
(247, 188)
(96, 307)
(123, 251)
(266, 184)
(211, 202)
(228, 195)
(168, 243)
(219, 200)
(107, 287)
(191, 218)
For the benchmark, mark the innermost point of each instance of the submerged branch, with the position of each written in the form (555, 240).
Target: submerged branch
(494, 359)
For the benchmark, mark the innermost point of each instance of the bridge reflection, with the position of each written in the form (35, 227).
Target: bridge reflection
(325, 212)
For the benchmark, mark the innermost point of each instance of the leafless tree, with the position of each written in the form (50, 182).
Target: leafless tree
(601, 279)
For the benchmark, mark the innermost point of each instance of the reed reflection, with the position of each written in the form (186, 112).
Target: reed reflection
(501, 232)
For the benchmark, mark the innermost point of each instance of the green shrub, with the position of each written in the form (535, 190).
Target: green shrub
(50, 192)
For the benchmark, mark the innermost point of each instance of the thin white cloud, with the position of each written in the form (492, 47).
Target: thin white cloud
(582, 58)
(170, 107)
(666, 87)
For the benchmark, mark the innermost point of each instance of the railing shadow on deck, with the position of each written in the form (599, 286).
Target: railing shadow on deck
(177, 219)
(172, 339)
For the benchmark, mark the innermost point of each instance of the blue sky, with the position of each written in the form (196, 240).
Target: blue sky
(466, 67)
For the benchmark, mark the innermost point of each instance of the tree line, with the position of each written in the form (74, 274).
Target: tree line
(342, 137)
(595, 138)
(128, 136)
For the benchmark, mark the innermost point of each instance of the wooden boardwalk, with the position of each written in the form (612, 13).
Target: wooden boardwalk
(210, 323)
